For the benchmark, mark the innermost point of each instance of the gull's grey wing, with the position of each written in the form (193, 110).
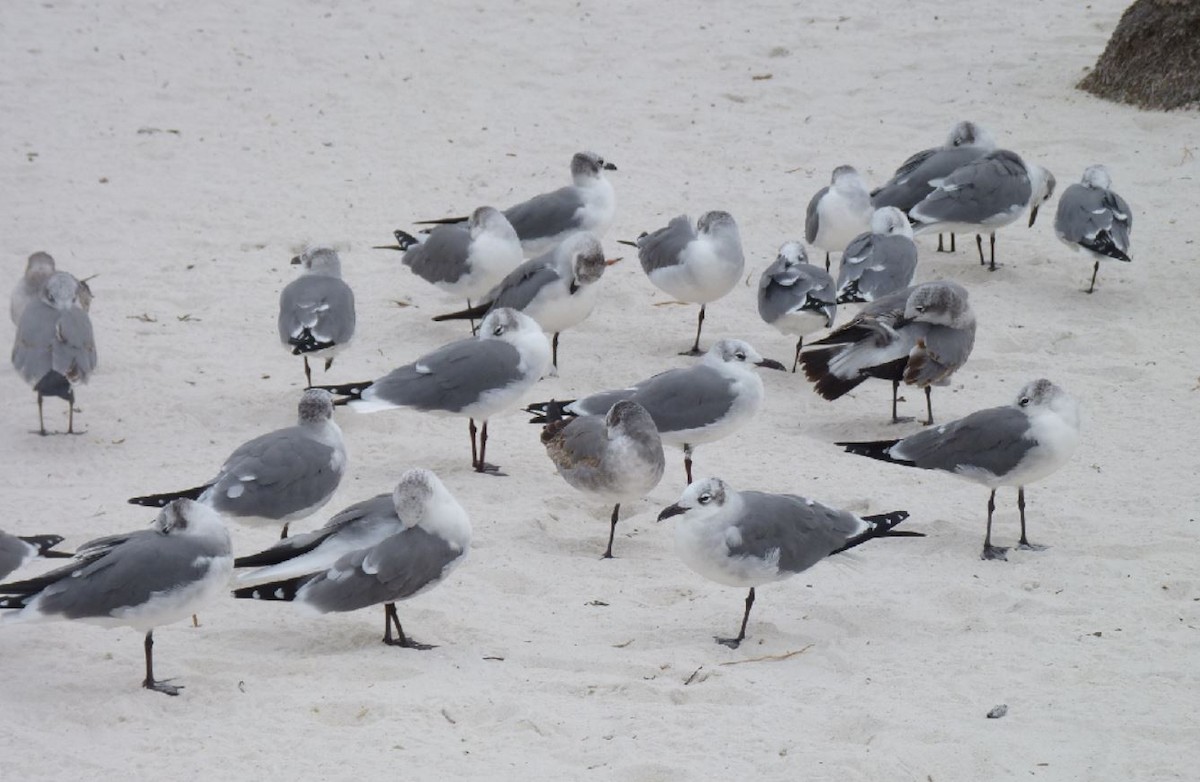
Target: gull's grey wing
(49, 339)
(812, 220)
(442, 257)
(524, 283)
(995, 440)
(685, 398)
(451, 377)
(1096, 219)
(938, 353)
(878, 266)
(321, 304)
(800, 287)
(874, 321)
(276, 474)
(660, 249)
(980, 190)
(342, 524)
(598, 404)
(913, 179)
(577, 446)
(802, 531)
(398, 567)
(546, 215)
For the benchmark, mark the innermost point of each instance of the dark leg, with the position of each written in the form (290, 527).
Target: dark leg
(307, 374)
(1024, 542)
(389, 618)
(952, 243)
(796, 363)
(826, 261)
(150, 683)
(481, 464)
(328, 364)
(474, 452)
(195, 621)
(554, 351)
(283, 533)
(41, 420)
(990, 551)
(992, 267)
(928, 406)
(695, 351)
(979, 246)
(895, 398)
(940, 248)
(71, 414)
(733, 643)
(612, 530)
(1091, 288)
(687, 462)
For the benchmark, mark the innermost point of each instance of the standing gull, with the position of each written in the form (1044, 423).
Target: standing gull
(587, 204)
(878, 262)
(838, 212)
(480, 377)
(690, 406)
(17, 551)
(695, 265)
(388, 548)
(919, 335)
(143, 579)
(55, 349)
(316, 310)
(751, 538)
(795, 296)
(617, 456)
(1013, 445)
(280, 476)
(558, 289)
(1094, 221)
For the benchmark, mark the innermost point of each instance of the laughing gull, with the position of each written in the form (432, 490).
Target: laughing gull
(55, 349)
(480, 377)
(751, 538)
(878, 262)
(983, 195)
(695, 265)
(391, 547)
(1094, 221)
(919, 335)
(18, 551)
(463, 260)
(557, 289)
(316, 310)
(919, 175)
(280, 476)
(838, 212)
(1013, 445)
(588, 204)
(142, 579)
(617, 456)
(795, 296)
(690, 406)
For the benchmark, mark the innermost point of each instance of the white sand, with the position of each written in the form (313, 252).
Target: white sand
(316, 121)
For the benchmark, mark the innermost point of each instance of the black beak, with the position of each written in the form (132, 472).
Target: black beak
(901, 322)
(771, 363)
(1032, 215)
(671, 510)
(296, 260)
(609, 167)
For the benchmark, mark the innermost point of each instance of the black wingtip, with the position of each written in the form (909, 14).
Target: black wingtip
(442, 221)
(347, 392)
(471, 313)
(546, 412)
(55, 384)
(43, 543)
(882, 526)
(305, 342)
(278, 590)
(161, 500)
(874, 449)
(627, 243)
(826, 383)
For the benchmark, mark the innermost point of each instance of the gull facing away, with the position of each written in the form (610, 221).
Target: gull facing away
(1013, 445)
(558, 289)
(316, 310)
(478, 378)
(690, 405)
(55, 349)
(751, 538)
(878, 262)
(587, 204)
(838, 212)
(1094, 221)
(919, 335)
(463, 260)
(617, 456)
(694, 265)
(278, 477)
(795, 296)
(18, 551)
(143, 579)
(391, 547)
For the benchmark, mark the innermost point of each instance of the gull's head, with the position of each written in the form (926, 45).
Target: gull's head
(506, 323)
(736, 351)
(1041, 394)
(791, 254)
(1042, 184)
(188, 517)
(319, 259)
(941, 303)
(585, 256)
(61, 291)
(889, 220)
(700, 500)
(717, 222)
(489, 220)
(413, 494)
(847, 178)
(39, 266)
(968, 134)
(1097, 176)
(629, 417)
(316, 406)
(589, 165)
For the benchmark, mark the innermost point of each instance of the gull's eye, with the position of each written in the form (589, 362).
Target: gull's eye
(705, 498)
(1023, 401)
(919, 308)
(740, 355)
(497, 331)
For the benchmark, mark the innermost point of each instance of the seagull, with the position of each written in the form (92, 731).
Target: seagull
(1094, 221)
(691, 405)
(391, 547)
(55, 349)
(1042, 184)
(985, 194)
(278, 477)
(795, 296)
(918, 176)
(543, 221)
(16, 552)
(1013, 445)
(480, 377)
(558, 289)
(466, 261)
(617, 456)
(878, 262)
(316, 310)
(142, 579)
(838, 212)
(751, 538)
(697, 265)
(919, 335)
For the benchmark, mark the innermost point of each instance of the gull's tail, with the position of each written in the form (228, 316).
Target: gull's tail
(875, 449)
(470, 313)
(305, 342)
(827, 384)
(545, 412)
(1104, 244)
(882, 526)
(55, 384)
(43, 543)
(347, 392)
(161, 500)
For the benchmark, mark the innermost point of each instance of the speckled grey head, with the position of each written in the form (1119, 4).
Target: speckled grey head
(503, 321)
(1097, 176)
(1038, 393)
(489, 219)
(61, 291)
(172, 517)
(842, 172)
(735, 350)
(413, 494)
(716, 221)
(940, 302)
(587, 257)
(40, 264)
(889, 220)
(316, 405)
(791, 254)
(320, 260)
(967, 133)
(586, 165)
(699, 500)
(630, 417)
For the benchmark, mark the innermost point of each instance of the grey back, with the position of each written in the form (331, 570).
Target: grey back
(661, 248)
(321, 303)
(803, 532)
(979, 190)
(291, 471)
(546, 215)
(876, 264)
(785, 287)
(911, 182)
(451, 377)
(50, 339)
(1086, 213)
(812, 220)
(442, 257)
(995, 440)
